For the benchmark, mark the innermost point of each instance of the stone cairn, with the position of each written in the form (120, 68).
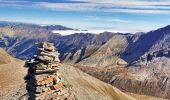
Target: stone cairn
(43, 79)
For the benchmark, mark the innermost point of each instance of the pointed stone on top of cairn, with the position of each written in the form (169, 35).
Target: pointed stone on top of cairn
(44, 82)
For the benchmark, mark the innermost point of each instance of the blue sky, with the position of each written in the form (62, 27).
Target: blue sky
(116, 15)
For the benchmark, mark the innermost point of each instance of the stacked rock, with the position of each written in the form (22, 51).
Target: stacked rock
(44, 81)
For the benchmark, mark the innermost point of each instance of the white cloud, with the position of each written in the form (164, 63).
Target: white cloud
(116, 20)
(106, 19)
(127, 6)
(66, 6)
(129, 2)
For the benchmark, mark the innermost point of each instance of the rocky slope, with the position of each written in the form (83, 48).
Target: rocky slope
(152, 42)
(88, 88)
(12, 75)
(84, 87)
(150, 54)
(133, 79)
(75, 47)
(108, 54)
(5, 58)
(147, 56)
(131, 48)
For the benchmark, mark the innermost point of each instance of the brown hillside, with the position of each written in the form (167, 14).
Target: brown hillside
(4, 57)
(12, 75)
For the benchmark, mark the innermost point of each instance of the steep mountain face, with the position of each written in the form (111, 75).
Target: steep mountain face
(75, 47)
(151, 55)
(153, 41)
(148, 68)
(108, 54)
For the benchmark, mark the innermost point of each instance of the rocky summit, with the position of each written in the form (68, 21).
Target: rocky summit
(43, 79)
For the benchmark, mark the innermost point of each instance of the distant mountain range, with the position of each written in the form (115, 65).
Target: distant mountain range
(132, 60)
(56, 27)
(21, 40)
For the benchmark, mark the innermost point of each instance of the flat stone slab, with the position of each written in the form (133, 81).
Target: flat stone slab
(46, 71)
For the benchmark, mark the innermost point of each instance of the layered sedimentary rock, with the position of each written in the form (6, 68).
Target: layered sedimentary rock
(44, 80)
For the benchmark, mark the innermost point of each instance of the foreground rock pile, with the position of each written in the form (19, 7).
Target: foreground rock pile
(44, 81)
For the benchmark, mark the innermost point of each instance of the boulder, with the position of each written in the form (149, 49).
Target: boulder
(121, 62)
